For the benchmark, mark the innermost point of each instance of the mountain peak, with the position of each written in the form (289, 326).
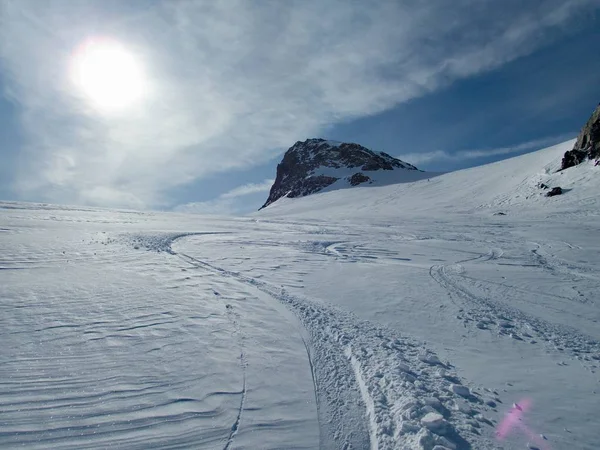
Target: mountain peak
(315, 164)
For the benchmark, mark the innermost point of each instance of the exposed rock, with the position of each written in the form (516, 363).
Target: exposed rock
(554, 191)
(572, 158)
(310, 166)
(358, 178)
(587, 145)
(426, 440)
(543, 186)
(436, 423)
(429, 358)
(461, 390)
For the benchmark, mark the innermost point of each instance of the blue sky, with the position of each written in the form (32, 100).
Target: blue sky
(227, 86)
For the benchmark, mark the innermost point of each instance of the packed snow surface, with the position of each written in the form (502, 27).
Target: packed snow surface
(403, 317)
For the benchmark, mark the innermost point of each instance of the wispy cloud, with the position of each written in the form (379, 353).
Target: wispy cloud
(229, 202)
(233, 82)
(218, 206)
(462, 155)
(247, 189)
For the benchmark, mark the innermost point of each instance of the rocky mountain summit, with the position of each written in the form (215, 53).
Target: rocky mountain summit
(587, 145)
(315, 164)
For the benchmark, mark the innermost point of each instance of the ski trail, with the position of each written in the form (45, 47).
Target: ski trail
(512, 322)
(314, 378)
(554, 265)
(162, 243)
(364, 391)
(233, 318)
(394, 379)
(332, 388)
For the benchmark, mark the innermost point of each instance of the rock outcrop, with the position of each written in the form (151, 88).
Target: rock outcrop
(310, 166)
(358, 178)
(554, 191)
(587, 145)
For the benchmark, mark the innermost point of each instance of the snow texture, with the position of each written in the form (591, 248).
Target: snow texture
(400, 317)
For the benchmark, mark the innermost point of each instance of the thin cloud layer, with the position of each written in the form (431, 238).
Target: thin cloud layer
(250, 188)
(461, 155)
(229, 202)
(231, 83)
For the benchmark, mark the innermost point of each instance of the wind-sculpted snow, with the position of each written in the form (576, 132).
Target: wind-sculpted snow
(397, 379)
(394, 379)
(102, 348)
(497, 292)
(121, 370)
(152, 330)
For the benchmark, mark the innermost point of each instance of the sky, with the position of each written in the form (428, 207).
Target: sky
(189, 105)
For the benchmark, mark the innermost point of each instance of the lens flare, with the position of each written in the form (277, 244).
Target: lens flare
(107, 74)
(513, 421)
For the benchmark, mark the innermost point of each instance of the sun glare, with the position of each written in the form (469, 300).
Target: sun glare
(108, 74)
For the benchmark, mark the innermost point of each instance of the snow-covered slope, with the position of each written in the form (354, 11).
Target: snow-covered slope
(510, 185)
(400, 317)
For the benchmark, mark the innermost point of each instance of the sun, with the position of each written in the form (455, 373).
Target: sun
(107, 74)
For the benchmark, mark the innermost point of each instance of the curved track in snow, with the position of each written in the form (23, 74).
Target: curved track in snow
(132, 337)
(391, 378)
(116, 347)
(486, 314)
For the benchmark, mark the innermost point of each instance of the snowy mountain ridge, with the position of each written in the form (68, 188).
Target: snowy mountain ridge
(318, 165)
(517, 185)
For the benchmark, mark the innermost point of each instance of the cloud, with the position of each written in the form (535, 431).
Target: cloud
(219, 206)
(462, 155)
(233, 82)
(247, 189)
(229, 202)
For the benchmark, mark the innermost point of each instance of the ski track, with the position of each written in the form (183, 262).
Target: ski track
(372, 385)
(485, 314)
(337, 390)
(85, 375)
(234, 320)
(395, 380)
(552, 264)
(367, 399)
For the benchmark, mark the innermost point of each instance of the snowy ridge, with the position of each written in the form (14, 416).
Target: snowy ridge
(376, 178)
(512, 184)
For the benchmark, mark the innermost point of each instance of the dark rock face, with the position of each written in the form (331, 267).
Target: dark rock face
(554, 191)
(587, 145)
(299, 175)
(358, 178)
